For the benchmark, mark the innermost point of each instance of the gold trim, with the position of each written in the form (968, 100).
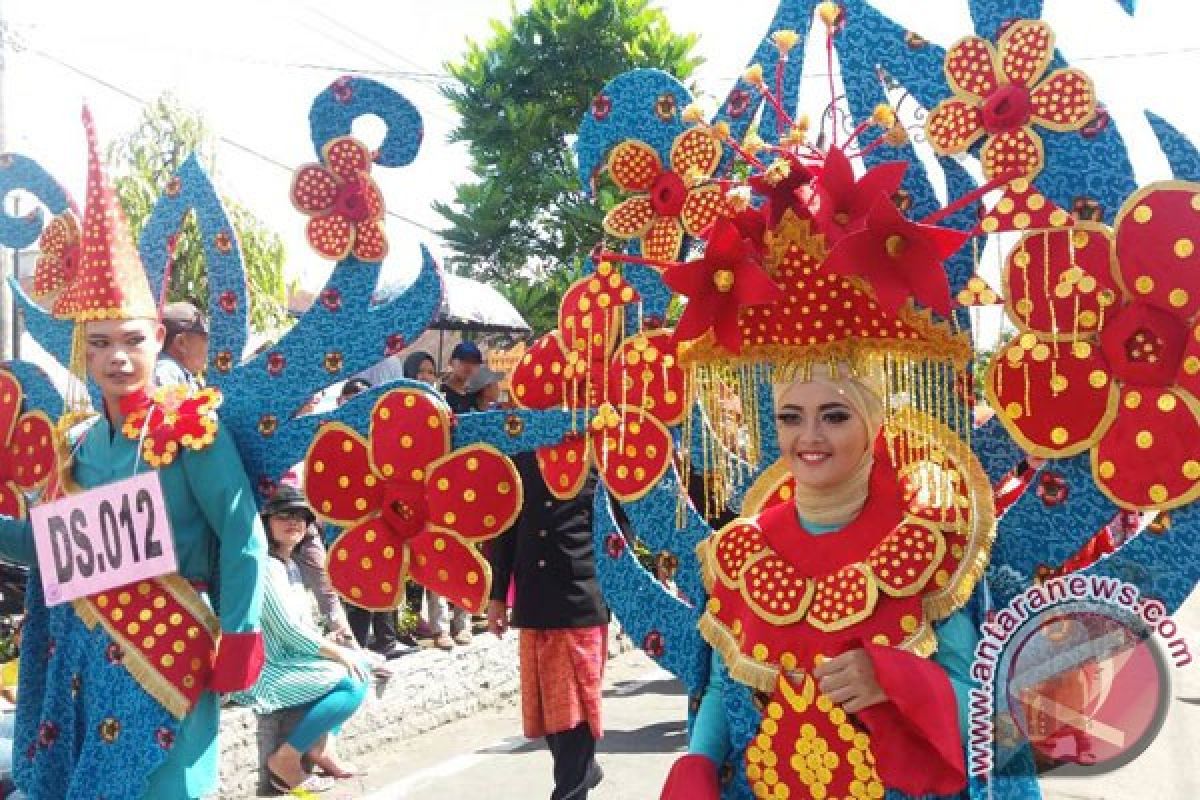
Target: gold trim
(742, 668)
(775, 619)
(135, 662)
(921, 580)
(869, 602)
(765, 487)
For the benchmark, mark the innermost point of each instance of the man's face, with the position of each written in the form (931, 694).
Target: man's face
(120, 354)
(463, 370)
(191, 350)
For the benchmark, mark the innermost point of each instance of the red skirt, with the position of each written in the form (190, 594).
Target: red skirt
(562, 675)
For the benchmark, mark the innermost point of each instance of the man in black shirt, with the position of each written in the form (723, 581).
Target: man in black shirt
(564, 625)
(465, 361)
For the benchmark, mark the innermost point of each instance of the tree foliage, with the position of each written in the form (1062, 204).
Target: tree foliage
(144, 160)
(521, 96)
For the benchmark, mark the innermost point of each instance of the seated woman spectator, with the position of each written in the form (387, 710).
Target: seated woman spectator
(302, 668)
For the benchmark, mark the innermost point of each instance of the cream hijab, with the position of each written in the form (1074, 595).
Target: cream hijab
(838, 505)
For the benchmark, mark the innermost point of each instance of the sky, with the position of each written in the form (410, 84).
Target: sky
(252, 67)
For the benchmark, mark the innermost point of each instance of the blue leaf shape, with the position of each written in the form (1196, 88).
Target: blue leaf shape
(632, 116)
(229, 304)
(334, 111)
(1180, 152)
(40, 393)
(20, 172)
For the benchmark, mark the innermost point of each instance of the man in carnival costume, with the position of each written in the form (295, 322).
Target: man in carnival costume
(119, 689)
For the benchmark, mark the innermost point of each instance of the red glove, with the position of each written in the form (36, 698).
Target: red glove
(692, 777)
(239, 660)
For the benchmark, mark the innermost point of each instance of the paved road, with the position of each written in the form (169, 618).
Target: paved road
(644, 707)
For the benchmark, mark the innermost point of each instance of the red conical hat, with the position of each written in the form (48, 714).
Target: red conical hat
(110, 282)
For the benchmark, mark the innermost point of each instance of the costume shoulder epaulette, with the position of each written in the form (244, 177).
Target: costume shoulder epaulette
(175, 418)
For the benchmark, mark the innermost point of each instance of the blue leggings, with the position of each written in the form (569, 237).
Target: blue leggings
(327, 714)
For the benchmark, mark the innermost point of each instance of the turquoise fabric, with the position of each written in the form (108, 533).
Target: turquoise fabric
(218, 542)
(957, 638)
(327, 714)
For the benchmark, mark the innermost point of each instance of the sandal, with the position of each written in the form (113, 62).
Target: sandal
(313, 783)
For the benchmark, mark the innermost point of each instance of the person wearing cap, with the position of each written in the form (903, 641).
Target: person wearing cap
(303, 669)
(465, 361)
(185, 349)
(484, 387)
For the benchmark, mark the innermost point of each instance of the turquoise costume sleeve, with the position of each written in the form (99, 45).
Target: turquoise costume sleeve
(217, 479)
(16, 541)
(957, 639)
(710, 732)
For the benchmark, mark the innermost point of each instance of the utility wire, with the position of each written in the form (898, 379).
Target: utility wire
(247, 149)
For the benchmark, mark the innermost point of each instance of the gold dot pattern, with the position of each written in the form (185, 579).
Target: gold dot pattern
(1017, 151)
(166, 636)
(970, 67)
(409, 431)
(1025, 50)
(695, 153)
(339, 453)
(630, 218)
(314, 189)
(58, 248)
(634, 165)
(1064, 101)
(460, 487)
(1024, 208)
(1076, 266)
(733, 547)
(663, 240)
(703, 205)
(365, 559)
(1156, 236)
(977, 292)
(906, 559)
(842, 598)
(773, 588)
(954, 126)
(645, 375)
(1139, 459)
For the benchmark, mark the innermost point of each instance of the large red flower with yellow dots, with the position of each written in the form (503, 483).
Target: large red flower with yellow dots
(58, 254)
(1109, 354)
(634, 385)
(1002, 95)
(412, 507)
(173, 418)
(345, 205)
(667, 202)
(27, 454)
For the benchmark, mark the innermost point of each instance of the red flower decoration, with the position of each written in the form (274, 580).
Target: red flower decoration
(228, 301)
(654, 644)
(27, 453)
(394, 344)
(1052, 488)
(58, 254)
(601, 107)
(665, 106)
(331, 299)
(343, 89)
(843, 202)
(728, 278)
(176, 417)
(1109, 357)
(739, 101)
(614, 544)
(787, 183)
(670, 202)
(276, 361)
(900, 258)
(413, 508)
(345, 205)
(638, 393)
(1003, 95)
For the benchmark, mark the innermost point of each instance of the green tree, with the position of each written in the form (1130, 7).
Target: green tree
(521, 96)
(144, 160)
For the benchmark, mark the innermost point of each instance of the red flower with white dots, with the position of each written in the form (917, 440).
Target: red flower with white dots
(1003, 95)
(345, 205)
(1108, 358)
(412, 507)
(668, 202)
(27, 453)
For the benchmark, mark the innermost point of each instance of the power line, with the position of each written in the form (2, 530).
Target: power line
(225, 139)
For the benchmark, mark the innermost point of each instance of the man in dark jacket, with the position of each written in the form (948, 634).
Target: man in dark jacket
(563, 624)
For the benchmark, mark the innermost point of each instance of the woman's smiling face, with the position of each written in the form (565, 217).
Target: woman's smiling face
(821, 436)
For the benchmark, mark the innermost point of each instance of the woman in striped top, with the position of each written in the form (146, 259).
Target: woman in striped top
(303, 669)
